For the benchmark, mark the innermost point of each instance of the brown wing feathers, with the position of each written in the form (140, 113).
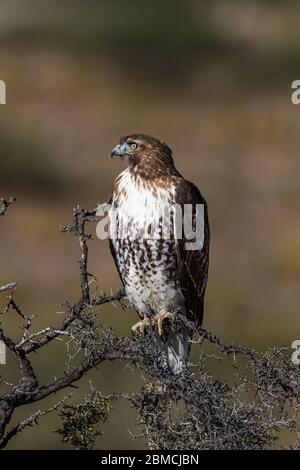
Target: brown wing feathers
(193, 263)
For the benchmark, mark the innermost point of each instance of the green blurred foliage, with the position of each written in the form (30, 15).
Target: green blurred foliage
(137, 28)
(171, 38)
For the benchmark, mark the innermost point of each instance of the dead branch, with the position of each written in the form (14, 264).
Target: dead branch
(10, 286)
(5, 203)
(215, 413)
(30, 421)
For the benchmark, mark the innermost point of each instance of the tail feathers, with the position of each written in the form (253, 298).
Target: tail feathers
(175, 348)
(178, 348)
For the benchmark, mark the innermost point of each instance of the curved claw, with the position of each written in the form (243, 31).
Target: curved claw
(159, 318)
(140, 327)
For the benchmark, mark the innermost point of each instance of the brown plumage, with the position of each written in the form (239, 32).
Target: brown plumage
(160, 275)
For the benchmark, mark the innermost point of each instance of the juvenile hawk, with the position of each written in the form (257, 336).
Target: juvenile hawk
(161, 276)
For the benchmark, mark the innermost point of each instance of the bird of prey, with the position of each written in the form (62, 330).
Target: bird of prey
(161, 276)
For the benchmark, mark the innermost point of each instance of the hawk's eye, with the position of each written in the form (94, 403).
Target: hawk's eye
(133, 146)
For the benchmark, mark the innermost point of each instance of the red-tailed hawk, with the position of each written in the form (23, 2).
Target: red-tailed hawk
(161, 275)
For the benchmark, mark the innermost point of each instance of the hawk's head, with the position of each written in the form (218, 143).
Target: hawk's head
(143, 151)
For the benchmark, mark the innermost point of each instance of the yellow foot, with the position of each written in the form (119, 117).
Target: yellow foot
(140, 326)
(159, 318)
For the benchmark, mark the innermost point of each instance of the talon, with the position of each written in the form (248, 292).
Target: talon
(140, 326)
(159, 319)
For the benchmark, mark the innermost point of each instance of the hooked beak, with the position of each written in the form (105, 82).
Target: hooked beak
(119, 151)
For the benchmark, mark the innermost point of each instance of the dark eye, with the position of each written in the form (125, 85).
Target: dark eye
(133, 146)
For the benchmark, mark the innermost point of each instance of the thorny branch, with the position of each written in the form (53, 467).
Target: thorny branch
(216, 415)
(10, 286)
(28, 390)
(5, 203)
(30, 421)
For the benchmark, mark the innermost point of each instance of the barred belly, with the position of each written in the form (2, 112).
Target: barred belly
(147, 266)
(148, 269)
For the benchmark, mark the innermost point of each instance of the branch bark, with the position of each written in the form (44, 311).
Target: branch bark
(28, 390)
(272, 379)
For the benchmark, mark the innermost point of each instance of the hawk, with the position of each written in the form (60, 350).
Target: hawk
(162, 278)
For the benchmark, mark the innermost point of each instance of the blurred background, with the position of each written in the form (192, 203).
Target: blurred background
(213, 80)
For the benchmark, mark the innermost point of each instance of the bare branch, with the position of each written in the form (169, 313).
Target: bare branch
(5, 203)
(30, 421)
(216, 415)
(10, 286)
(80, 218)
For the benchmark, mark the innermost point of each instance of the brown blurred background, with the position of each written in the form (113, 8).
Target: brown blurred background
(214, 81)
